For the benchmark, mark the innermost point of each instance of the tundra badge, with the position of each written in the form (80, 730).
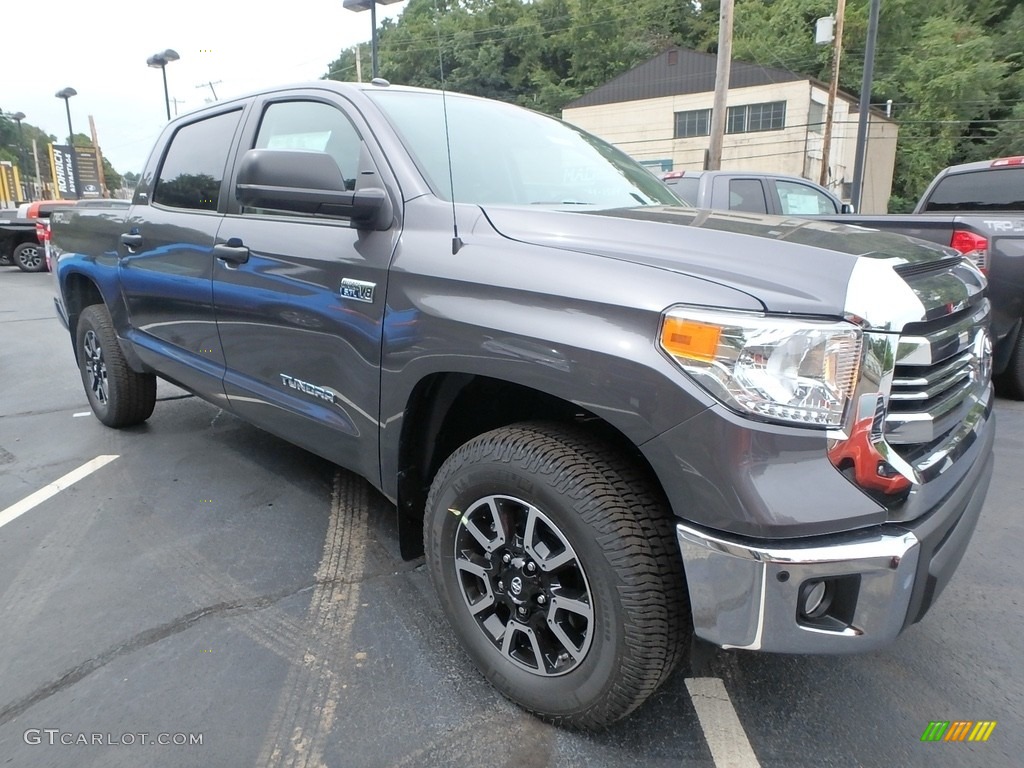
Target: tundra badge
(310, 389)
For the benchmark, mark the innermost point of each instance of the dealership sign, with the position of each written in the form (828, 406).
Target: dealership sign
(65, 171)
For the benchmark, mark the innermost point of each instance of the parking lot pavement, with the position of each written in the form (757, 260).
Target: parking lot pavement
(212, 583)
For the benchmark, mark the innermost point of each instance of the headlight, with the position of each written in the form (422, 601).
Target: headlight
(780, 368)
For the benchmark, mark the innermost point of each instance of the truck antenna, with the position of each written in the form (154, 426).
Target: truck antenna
(456, 240)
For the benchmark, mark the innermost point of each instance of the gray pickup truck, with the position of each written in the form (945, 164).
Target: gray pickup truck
(978, 209)
(612, 423)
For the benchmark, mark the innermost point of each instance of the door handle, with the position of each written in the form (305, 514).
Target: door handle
(131, 240)
(232, 252)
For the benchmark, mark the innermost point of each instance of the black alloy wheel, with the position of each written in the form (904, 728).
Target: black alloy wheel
(554, 558)
(118, 396)
(29, 257)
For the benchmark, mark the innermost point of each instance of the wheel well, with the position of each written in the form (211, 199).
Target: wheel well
(449, 409)
(79, 293)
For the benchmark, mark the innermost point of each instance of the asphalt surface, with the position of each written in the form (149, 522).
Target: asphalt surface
(214, 582)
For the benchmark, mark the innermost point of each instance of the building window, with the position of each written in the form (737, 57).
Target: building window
(816, 118)
(696, 122)
(769, 116)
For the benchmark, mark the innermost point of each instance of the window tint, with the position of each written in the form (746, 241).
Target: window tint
(998, 189)
(193, 168)
(747, 195)
(315, 126)
(802, 200)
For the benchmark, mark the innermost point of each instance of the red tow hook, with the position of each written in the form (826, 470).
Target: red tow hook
(870, 469)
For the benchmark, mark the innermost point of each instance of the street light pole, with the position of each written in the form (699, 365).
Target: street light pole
(66, 94)
(160, 61)
(18, 117)
(371, 6)
(865, 107)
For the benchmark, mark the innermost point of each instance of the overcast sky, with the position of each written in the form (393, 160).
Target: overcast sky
(100, 48)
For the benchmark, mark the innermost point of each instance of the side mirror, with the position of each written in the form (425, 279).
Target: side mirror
(847, 208)
(309, 183)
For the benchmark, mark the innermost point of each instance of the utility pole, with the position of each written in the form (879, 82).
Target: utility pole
(209, 84)
(722, 69)
(99, 158)
(359, 65)
(865, 105)
(837, 50)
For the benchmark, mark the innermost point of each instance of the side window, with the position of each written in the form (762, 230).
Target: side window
(193, 168)
(802, 200)
(747, 195)
(688, 189)
(315, 126)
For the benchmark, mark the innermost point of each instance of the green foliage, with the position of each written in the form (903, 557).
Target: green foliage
(953, 68)
(540, 54)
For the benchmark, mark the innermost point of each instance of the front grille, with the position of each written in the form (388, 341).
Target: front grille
(937, 370)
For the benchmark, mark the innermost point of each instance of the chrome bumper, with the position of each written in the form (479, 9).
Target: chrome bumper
(750, 597)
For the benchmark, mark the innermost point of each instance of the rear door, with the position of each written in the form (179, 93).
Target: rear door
(166, 253)
(300, 300)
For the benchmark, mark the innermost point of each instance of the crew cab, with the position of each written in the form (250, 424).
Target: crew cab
(611, 422)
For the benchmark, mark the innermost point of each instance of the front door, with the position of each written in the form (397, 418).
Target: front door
(300, 300)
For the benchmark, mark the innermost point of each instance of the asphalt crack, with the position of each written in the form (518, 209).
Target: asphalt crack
(142, 640)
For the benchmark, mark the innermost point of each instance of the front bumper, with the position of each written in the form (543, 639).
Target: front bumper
(749, 594)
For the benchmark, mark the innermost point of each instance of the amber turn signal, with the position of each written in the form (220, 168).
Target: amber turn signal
(690, 339)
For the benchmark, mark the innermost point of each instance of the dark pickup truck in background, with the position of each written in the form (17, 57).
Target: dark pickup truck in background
(978, 209)
(612, 423)
(19, 244)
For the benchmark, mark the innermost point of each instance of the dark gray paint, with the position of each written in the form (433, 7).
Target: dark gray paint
(564, 303)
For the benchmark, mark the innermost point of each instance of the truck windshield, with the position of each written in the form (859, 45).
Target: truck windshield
(506, 155)
(998, 189)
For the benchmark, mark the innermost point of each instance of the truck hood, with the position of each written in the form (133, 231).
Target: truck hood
(791, 265)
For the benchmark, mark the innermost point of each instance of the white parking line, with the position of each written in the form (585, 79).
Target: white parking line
(723, 731)
(19, 508)
(79, 415)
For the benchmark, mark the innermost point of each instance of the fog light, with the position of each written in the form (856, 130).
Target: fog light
(815, 598)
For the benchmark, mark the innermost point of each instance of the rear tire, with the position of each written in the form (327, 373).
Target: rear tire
(29, 257)
(558, 571)
(119, 396)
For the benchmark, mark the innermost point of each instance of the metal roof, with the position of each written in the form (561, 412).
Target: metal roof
(677, 71)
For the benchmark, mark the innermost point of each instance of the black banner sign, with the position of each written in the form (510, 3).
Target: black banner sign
(65, 172)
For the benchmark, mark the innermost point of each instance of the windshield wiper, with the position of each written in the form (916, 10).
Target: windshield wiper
(563, 202)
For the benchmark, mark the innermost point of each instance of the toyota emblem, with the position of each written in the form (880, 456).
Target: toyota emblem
(516, 586)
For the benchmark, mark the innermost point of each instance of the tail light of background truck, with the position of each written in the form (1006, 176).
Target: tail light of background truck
(974, 247)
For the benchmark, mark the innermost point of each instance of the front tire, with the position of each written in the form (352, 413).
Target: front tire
(555, 564)
(29, 257)
(119, 396)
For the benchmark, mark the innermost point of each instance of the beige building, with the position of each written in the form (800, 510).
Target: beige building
(660, 114)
